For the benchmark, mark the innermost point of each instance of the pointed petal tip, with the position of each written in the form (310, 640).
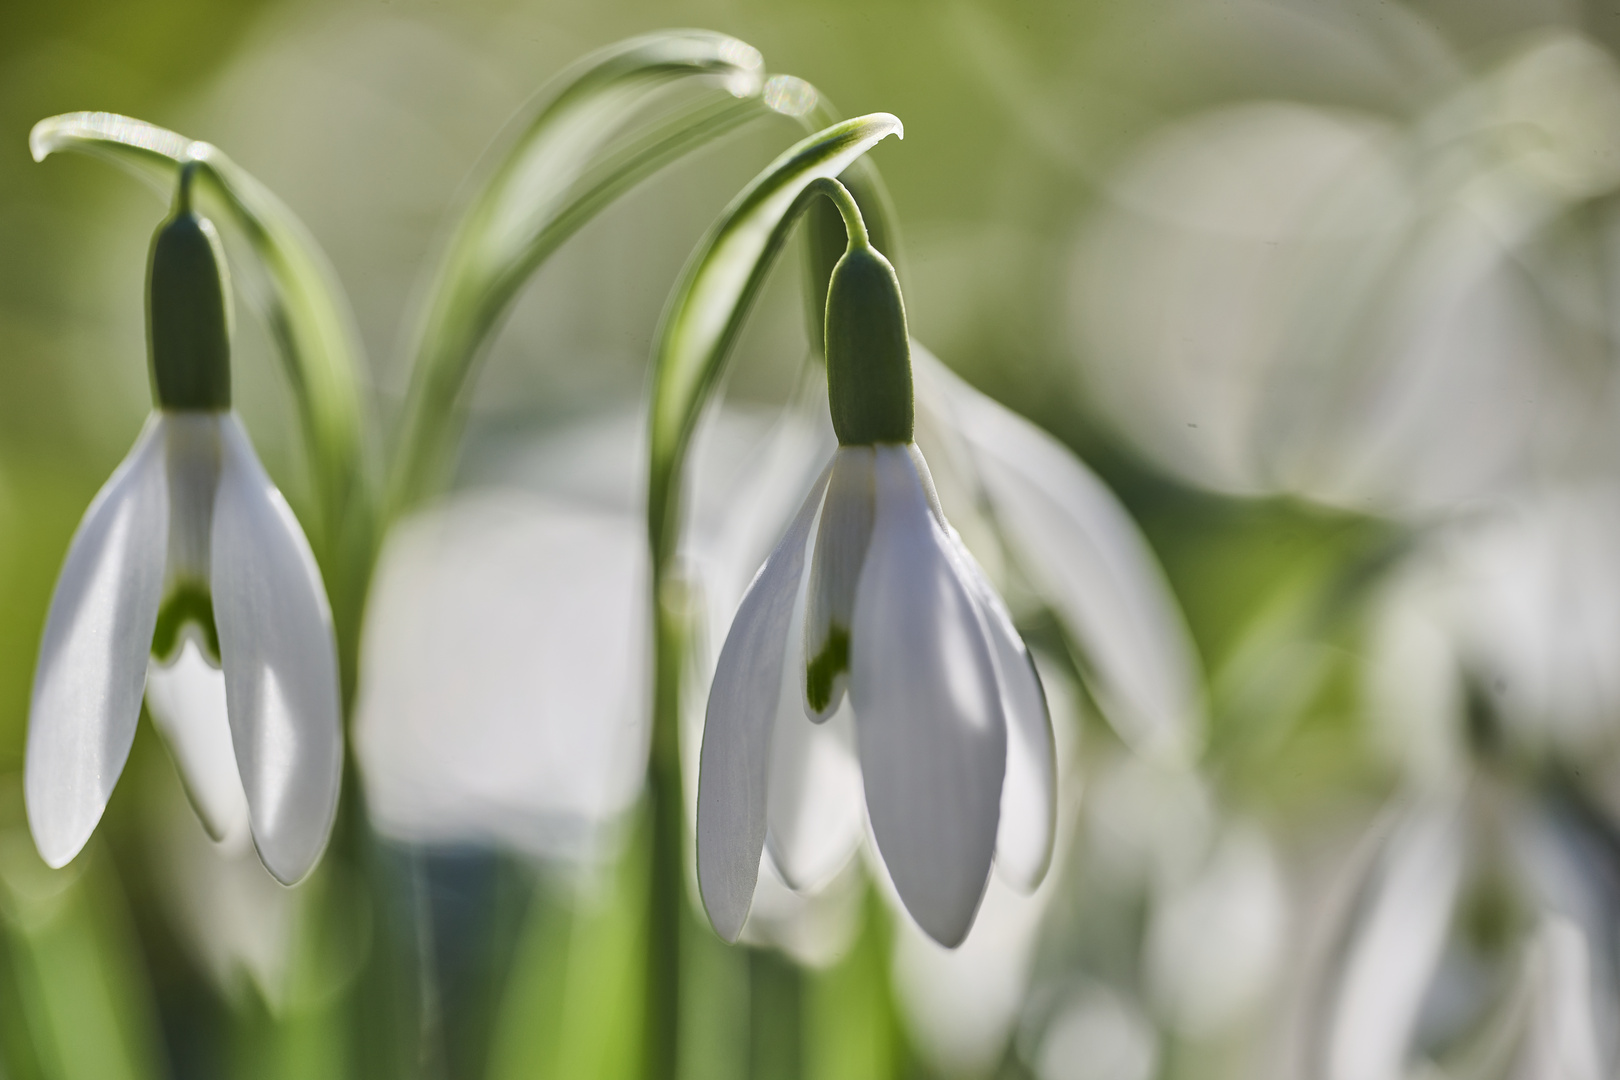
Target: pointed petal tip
(947, 929)
(726, 898)
(727, 922)
(1026, 879)
(289, 867)
(55, 851)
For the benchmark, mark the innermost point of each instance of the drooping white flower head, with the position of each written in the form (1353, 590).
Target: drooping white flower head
(898, 617)
(1473, 925)
(190, 553)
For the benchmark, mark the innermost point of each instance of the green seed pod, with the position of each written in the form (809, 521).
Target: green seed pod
(188, 315)
(868, 351)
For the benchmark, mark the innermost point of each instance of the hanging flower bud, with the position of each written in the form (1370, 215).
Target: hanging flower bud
(868, 350)
(188, 309)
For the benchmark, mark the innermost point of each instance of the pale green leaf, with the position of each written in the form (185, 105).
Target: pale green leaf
(596, 132)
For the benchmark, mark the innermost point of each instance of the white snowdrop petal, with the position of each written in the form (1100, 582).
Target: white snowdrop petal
(813, 806)
(92, 659)
(280, 663)
(735, 761)
(929, 726)
(1082, 551)
(193, 442)
(835, 571)
(1029, 791)
(186, 700)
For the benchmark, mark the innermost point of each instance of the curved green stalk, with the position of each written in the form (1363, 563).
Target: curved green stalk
(825, 232)
(717, 288)
(589, 143)
(705, 314)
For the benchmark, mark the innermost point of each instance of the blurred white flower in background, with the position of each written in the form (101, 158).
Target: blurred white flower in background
(1471, 936)
(504, 685)
(1169, 935)
(1281, 298)
(1508, 618)
(504, 668)
(236, 920)
(1097, 1034)
(1215, 940)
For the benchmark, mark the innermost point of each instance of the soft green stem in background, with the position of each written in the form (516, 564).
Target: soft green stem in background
(572, 156)
(706, 312)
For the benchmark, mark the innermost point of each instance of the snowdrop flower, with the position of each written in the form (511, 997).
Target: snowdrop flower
(1510, 615)
(189, 551)
(1283, 299)
(1475, 927)
(897, 616)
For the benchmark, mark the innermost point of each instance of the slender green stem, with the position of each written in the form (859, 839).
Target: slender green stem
(776, 988)
(462, 321)
(666, 900)
(848, 209)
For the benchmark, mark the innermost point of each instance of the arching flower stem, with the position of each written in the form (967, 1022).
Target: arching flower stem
(702, 322)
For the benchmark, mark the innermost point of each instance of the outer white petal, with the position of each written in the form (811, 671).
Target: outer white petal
(1081, 549)
(186, 700)
(928, 716)
(1029, 792)
(92, 660)
(280, 663)
(736, 755)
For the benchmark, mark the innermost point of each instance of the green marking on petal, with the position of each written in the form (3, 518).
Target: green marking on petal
(189, 603)
(829, 663)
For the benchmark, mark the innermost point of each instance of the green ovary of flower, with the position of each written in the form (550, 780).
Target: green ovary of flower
(188, 315)
(868, 351)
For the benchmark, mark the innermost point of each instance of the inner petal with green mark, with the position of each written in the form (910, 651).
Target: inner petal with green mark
(823, 670)
(189, 606)
(842, 537)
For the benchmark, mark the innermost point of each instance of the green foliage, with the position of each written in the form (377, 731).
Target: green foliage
(585, 146)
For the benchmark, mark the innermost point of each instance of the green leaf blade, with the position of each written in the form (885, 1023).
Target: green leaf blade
(572, 156)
